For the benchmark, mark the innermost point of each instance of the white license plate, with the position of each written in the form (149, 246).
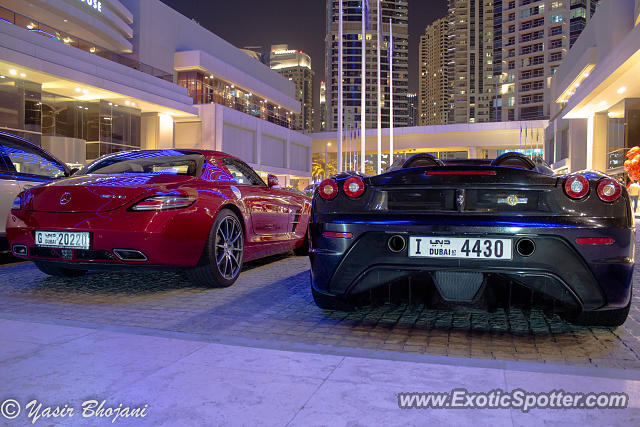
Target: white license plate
(460, 247)
(63, 239)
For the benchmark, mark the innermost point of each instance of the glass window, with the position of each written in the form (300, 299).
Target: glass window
(241, 172)
(10, 104)
(578, 13)
(168, 162)
(29, 161)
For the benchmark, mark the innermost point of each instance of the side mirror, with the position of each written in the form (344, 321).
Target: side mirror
(73, 171)
(272, 181)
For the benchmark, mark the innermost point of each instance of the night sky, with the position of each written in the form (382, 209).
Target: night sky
(298, 23)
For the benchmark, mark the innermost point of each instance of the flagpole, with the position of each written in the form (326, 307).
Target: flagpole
(356, 151)
(390, 49)
(351, 145)
(379, 97)
(363, 84)
(349, 153)
(340, 94)
(520, 143)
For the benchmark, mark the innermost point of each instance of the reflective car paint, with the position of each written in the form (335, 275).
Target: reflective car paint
(101, 205)
(599, 277)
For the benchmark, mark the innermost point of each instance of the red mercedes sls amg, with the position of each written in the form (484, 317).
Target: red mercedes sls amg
(201, 211)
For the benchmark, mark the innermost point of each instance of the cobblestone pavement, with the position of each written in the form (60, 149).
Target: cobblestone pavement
(271, 301)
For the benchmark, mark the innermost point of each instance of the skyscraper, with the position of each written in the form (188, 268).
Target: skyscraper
(435, 102)
(398, 11)
(472, 27)
(296, 66)
(536, 36)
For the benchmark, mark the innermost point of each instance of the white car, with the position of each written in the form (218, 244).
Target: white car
(22, 166)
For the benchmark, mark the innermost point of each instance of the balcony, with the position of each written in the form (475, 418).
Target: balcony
(52, 33)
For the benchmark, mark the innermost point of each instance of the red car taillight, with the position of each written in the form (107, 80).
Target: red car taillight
(576, 186)
(328, 189)
(595, 241)
(338, 235)
(609, 190)
(160, 203)
(354, 187)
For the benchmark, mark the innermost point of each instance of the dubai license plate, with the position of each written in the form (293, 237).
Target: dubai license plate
(460, 248)
(63, 239)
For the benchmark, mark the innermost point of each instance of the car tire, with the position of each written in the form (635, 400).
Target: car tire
(303, 249)
(54, 270)
(610, 318)
(222, 258)
(327, 302)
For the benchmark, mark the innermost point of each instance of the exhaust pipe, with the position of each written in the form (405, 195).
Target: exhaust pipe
(130, 255)
(397, 243)
(525, 247)
(20, 250)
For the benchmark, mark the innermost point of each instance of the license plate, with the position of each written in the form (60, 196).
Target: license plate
(460, 248)
(63, 239)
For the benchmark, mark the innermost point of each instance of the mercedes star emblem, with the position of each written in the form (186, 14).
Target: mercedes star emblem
(65, 198)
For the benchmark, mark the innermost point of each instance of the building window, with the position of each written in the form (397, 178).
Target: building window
(557, 56)
(578, 13)
(556, 44)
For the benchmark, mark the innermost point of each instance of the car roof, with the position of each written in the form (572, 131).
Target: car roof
(30, 144)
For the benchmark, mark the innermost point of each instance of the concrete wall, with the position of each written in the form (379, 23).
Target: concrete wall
(69, 150)
(156, 131)
(265, 146)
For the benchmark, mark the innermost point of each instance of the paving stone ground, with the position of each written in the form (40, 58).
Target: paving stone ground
(272, 302)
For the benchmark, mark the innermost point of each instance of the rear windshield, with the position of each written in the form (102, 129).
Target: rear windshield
(168, 162)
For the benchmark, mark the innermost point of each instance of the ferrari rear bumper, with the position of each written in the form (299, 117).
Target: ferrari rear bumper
(589, 276)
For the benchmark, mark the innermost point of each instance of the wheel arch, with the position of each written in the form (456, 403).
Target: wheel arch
(236, 210)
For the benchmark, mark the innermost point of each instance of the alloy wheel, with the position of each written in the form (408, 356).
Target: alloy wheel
(229, 246)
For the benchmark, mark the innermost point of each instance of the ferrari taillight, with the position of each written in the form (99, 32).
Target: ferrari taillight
(595, 241)
(576, 186)
(328, 189)
(609, 190)
(160, 203)
(354, 187)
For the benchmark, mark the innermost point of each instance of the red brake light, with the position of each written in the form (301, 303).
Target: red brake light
(338, 235)
(328, 189)
(576, 186)
(595, 241)
(354, 187)
(609, 190)
(455, 172)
